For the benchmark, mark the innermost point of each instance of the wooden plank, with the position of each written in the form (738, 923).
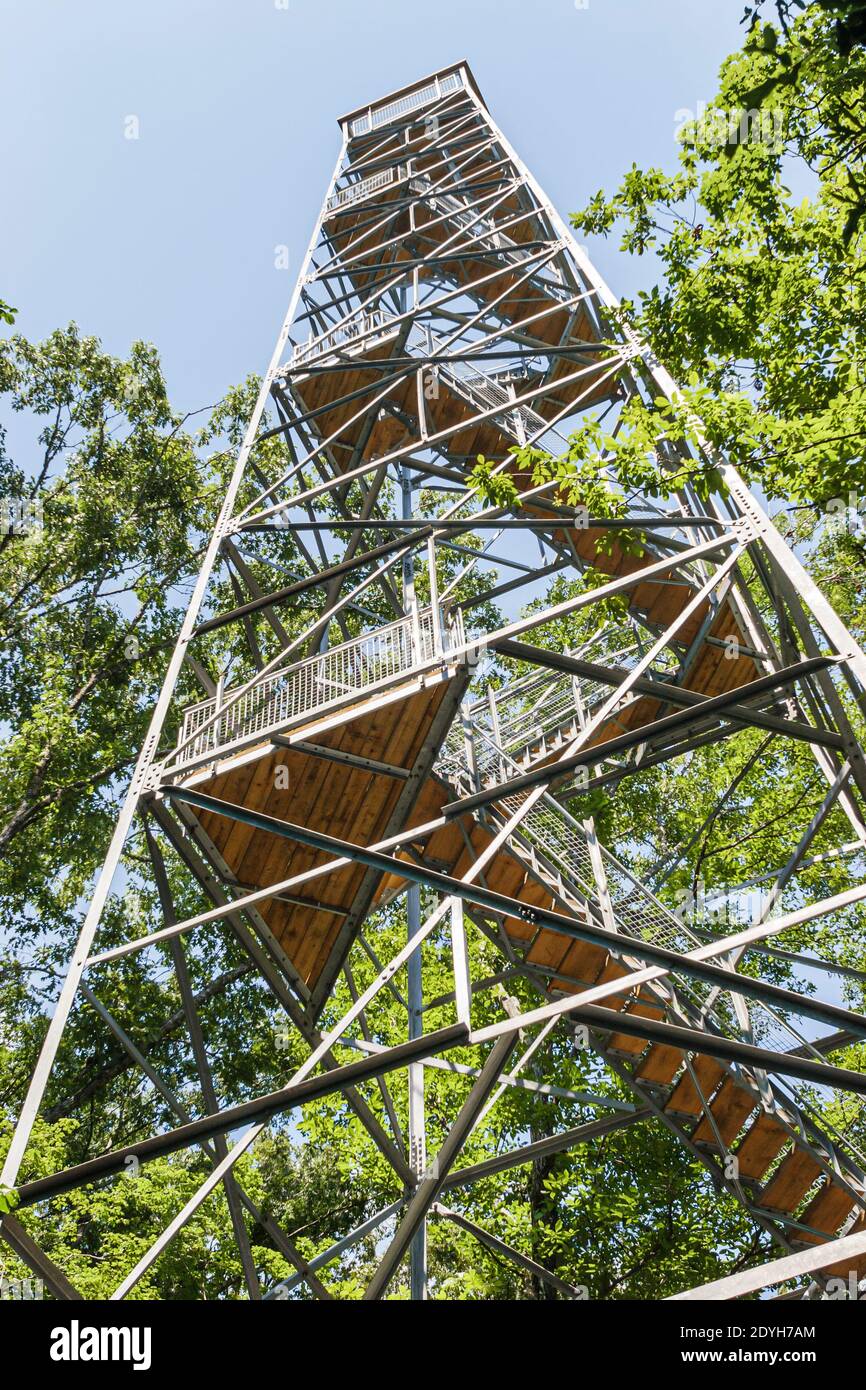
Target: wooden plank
(661, 1064)
(352, 803)
(761, 1146)
(369, 816)
(790, 1182)
(730, 1109)
(685, 1099)
(623, 1042)
(827, 1210)
(583, 961)
(844, 1268)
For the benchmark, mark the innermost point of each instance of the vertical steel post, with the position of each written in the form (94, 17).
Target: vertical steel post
(417, 1118)
(415, 996)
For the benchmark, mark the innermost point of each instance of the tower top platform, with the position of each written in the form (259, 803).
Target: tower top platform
(426, 89)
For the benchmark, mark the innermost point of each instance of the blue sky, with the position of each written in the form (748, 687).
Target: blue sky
(171, 237)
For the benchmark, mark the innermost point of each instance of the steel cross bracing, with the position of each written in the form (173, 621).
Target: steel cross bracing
(392, 715)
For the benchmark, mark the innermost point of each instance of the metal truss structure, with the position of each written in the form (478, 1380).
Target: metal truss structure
(364, 753)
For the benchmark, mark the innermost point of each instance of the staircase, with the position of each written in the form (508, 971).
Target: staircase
(484, 230)
(802, 1179)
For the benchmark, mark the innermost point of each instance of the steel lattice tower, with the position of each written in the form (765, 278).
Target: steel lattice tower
(444, 312)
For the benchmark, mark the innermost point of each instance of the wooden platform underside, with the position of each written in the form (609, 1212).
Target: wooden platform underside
(339, 799)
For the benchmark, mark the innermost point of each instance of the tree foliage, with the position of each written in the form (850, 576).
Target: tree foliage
(760, 238)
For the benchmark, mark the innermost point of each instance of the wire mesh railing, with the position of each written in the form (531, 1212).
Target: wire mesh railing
(485, 393)
(366, 324)
(637, 913)
(563, 842)
(530, 716)
(281, 699)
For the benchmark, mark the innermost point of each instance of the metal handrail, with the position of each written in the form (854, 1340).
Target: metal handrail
(378, 116)
(360, 325)
(485, 392)
(363, 188)
(278, 700)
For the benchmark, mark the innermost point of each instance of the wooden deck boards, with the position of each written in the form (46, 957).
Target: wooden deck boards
(348, 802)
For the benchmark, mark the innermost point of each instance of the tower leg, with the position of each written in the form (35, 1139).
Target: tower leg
(417, 1120)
